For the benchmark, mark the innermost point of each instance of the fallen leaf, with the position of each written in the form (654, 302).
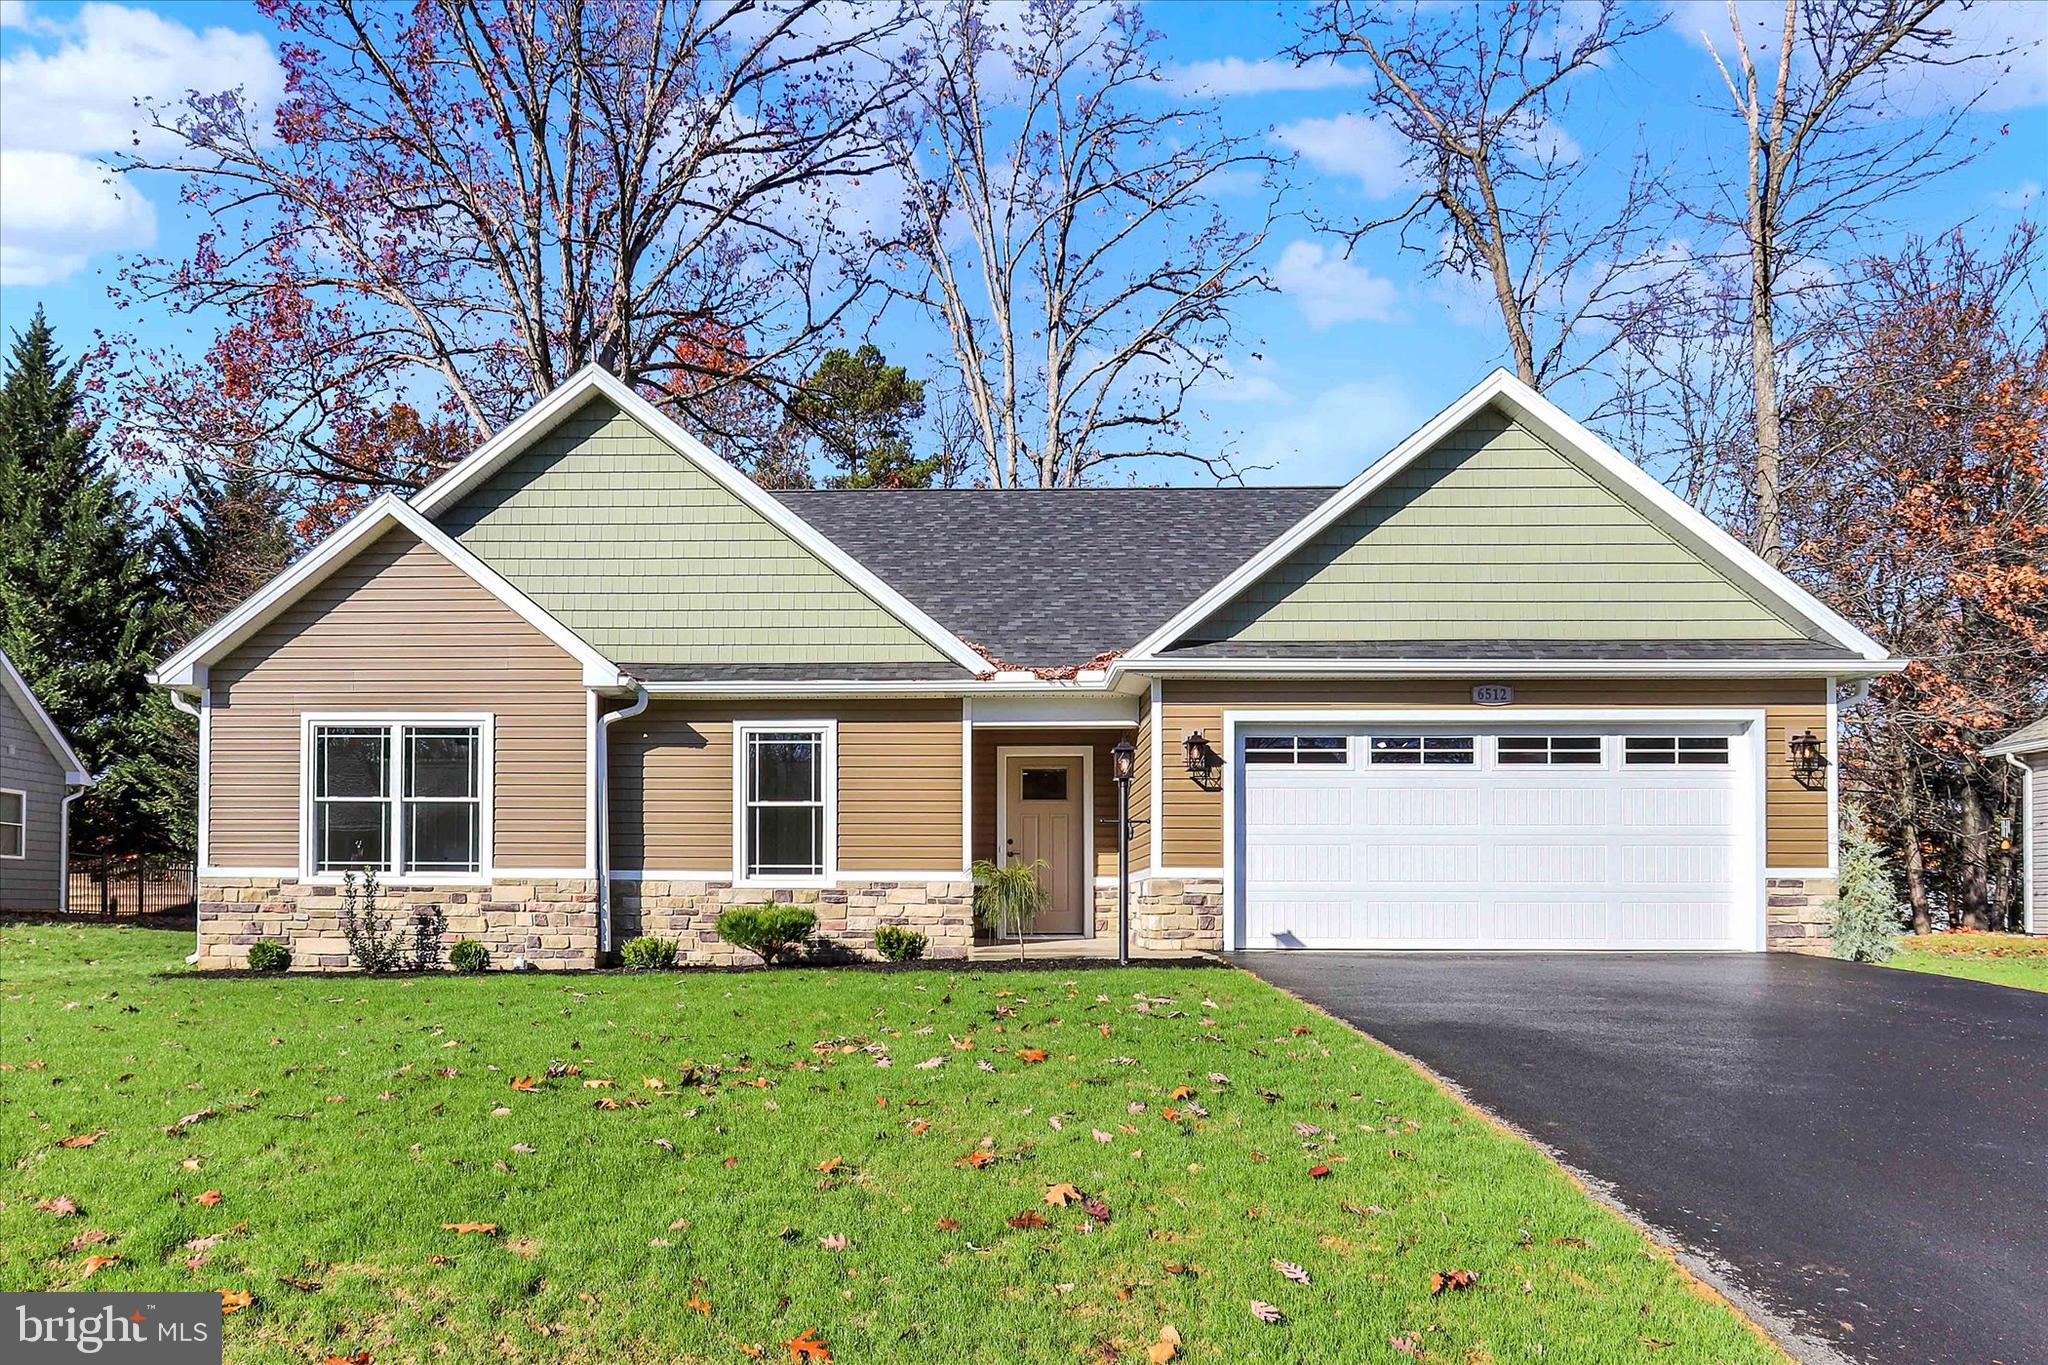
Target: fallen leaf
(82, 1139)
(64, 1206)
(597, 1084)
(919, 1127)
(1570, 1242)
(1096, 1209)
(525, 1083)
(1030, 1218)
(701, 1305)
(1408, 1344)
(524, 1149)
(830, 1164)
(359, 1358)
(1101, 1136)
(834, 1241)
(1317, 1172)
(92, 1265)
(1181, 1092)
(979, 1157)
(807, 1346)
(1061, 1195)
(606, 1103)
(654, 1083)
(947, 1225)
(1265, 1312)
(234, 1300)
(308, 1286)
(1298, 1030)
(91, 1237)
(1290, 1270)
(486, 1229)
(1451, 1280)
(208, 1199)
(1166, 1348)
(1031, 1054)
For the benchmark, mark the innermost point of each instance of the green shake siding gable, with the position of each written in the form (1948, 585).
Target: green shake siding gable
(1492, 534)
(650, 560)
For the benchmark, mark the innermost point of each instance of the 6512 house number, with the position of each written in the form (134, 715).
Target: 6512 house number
(1493, 694)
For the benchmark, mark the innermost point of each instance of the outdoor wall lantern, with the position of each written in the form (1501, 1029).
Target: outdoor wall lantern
(1808, 757)
(1196, 751)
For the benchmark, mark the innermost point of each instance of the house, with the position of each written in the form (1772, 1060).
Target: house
(1502, 690)
(39, 778)
(2027, 749)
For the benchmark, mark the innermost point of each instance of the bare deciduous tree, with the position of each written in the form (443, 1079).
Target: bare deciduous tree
(1502, 196)
(1065, 223)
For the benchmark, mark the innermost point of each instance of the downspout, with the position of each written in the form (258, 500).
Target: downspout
(604, 808)
(78, 789)
(184, 703)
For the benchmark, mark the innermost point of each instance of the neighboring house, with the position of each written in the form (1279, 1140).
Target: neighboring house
(2028, 748)
(1503, 690)
(39, 776)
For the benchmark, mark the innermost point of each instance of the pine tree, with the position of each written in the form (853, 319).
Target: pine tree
(226, 537)
(1867, 917)
(81, 612)
(859, 408)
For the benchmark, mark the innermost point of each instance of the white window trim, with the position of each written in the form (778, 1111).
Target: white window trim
(828, 782)
(23, 855)
(486, 725)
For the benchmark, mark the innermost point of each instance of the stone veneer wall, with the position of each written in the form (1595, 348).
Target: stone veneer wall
(1175, 915)
(848, 915)
(1797, 916)
(551, 923)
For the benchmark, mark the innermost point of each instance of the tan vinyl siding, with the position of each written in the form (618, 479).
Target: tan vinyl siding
(1493, 534)
(398, 628)
(27, 766)
(1796, 828)
(1098, 742)
(671, 782)
(650, 560)
(1141, 788)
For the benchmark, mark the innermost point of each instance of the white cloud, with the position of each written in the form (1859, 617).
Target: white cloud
(1330, 289)
(60, 209)
(1365, 149)
(1261, 76)
(80, 96)
(2019, 196)
(1334, 435)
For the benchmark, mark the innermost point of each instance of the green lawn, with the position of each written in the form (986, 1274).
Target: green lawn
(344, 1122)
(2001, 959)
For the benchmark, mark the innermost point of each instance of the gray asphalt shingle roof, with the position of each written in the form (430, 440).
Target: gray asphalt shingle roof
(1051, 577)
(2026, 739)
(1507, 650)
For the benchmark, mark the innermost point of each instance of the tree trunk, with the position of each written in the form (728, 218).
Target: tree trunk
(1915, 861)
(1763, 344)
(1973, 881)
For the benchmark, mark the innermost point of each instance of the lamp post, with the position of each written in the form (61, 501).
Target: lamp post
(1123, 761)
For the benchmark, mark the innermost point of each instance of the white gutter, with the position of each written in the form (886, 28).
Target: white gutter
(184, 703)
(604, 807)
(1507, 668)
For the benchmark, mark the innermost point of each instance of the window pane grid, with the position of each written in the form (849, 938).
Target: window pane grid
(13, 825)
(1296, 749)
(1553, 750)
(1667, 750)
(420, 814)
(784, 821)
(1415, 750)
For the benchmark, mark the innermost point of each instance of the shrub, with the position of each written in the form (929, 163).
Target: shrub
(375, 947)
(268, 955)
(428, 926)
(770, 930)
(1868, 918)
(646, 954)
(899, 944)
(469, 957)
(1007, 898)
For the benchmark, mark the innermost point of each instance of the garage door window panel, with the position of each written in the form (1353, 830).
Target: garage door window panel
(1695, 751)
(1297, 749)
(1549, 750)
(1450, 751)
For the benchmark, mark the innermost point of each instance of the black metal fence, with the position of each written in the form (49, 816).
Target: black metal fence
(118, 887)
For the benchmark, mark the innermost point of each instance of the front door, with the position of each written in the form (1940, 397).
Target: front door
(1045, 821)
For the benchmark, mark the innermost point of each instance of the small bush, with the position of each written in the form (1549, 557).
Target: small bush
(770, 930)
(375, 947)
(1867, 916)
(899, 944)
(648, 954)
(268, 955)
(469, 957)
(428, 928)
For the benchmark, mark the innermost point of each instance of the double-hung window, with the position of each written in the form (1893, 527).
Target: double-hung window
(405, 798)
(786, 779)
(13, 823)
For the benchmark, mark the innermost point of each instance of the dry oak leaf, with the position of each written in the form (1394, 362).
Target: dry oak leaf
(1317, 1172)
(92, 1265)
(606, 1103)
(806, 1345)
(701, 1305)
(919, 1127)
(831, 1164)
(1062, 1194)
(1290, 1270)
(1031, 1054)
(1101, 1136)
(1265, 1312)
(947, 1225)
(91, 1237)
(1181, 1092)
(359, 1358)
(1298, 1030)
(1451, 1280)
(525, 1083)
(234, 1300)
(979, 1157)
(64, 1206)
(1166, 1348)
(82, 1139)
(1030, 1218)
(834, 1241)
(308, 1286)
(1408, 1344)
(486, 1229)
(208, 1199)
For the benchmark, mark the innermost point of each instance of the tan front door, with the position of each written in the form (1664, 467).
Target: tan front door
(1045, 820)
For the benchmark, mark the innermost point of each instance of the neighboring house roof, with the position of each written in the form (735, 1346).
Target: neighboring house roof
(2025, 740)
(1048, 577)
(16, 686)
(1617, 650)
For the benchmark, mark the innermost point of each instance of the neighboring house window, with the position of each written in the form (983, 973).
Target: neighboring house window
(13, 824)
(399, 797)
(786, 781)
(1455, 750)
(1295, 749)
(1550, 749)
(1666, 750)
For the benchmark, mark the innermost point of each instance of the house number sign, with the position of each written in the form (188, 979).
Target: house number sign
(1493, 694)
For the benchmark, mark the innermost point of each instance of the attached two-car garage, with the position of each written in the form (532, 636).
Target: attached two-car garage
(1539, 834)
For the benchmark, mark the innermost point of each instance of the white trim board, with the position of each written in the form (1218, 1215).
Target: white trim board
(181, 670)
(543, 416)
(1554, 425)
(39, 720)
(828, 789)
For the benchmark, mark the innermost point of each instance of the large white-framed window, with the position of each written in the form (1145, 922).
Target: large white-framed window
(13, 823)
(785, 801)
(406, 796)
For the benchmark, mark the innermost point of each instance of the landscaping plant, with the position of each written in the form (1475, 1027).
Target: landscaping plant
(268, 955)
(375, 947)
(772, 931)
(1867, 916)
(898, 944)
(646, 954)
(1008, 898)
(428, 927)
(469, 957)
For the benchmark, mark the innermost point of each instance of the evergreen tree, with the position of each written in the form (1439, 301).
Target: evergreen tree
(859, 407)
(226, 537)
(81, 612)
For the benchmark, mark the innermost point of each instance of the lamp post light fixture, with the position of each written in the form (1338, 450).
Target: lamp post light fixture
(1123, 762)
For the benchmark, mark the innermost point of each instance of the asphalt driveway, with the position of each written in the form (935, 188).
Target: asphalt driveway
(1860, 1153)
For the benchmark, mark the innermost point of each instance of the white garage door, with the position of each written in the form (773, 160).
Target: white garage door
(1531, 836)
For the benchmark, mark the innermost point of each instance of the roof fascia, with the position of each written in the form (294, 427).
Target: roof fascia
(1253, 669)
(52, 737)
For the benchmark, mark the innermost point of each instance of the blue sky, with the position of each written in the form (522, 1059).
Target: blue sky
(1347, 358)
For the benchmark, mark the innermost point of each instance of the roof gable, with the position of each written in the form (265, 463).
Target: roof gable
(23, 698)
(1504, 518)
